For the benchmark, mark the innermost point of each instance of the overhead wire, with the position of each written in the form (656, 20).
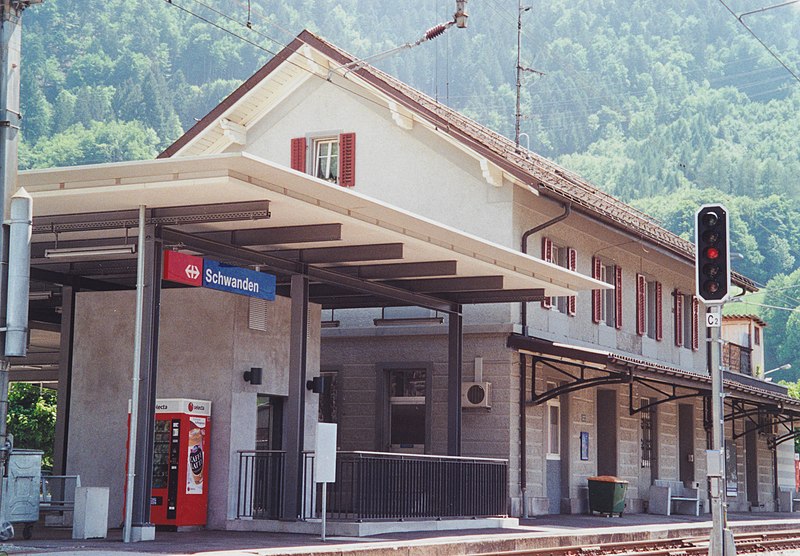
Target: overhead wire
(265, 49)
(768, 49)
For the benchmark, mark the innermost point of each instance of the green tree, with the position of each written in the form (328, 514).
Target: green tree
(32, 418)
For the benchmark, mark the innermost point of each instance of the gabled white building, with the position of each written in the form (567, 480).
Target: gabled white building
(612, 383)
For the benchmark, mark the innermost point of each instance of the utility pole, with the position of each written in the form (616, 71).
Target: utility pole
(10, 119)
(520, 68)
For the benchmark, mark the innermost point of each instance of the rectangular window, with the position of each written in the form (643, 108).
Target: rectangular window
(757, 335)
(647, 412)
(687, 320)
(407, 409)
(331, 158)
(608, 306)
(553, 426)
(326, 159)
(560, 256)
(653, 310)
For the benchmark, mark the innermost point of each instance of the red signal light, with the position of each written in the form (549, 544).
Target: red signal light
(712, 253)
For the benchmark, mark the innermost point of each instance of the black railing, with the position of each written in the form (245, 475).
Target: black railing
(375, 485)
(260, 484)
(737, 358)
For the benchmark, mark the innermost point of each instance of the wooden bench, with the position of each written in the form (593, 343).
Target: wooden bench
(672, 497)
(788, 499)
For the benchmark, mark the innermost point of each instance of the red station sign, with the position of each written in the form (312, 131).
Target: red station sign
(184, 269)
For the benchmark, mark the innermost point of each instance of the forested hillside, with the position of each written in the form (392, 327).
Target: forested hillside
(667, 104)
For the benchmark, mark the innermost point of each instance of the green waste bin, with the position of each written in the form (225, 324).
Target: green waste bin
(607, 495)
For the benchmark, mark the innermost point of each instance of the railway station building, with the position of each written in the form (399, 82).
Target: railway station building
(462, 303)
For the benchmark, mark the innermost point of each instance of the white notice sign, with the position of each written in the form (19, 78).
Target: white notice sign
(325, 454)
(712, 320)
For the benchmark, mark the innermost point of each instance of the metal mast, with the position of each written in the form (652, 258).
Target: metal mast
(10, 117)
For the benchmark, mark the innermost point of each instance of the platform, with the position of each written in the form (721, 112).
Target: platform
(538, 532)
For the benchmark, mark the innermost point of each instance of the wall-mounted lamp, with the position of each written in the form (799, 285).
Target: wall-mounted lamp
(254, 375)
(318, 384)
(71, 252)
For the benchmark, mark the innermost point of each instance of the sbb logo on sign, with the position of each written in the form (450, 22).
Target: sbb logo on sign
(197, 271)
(184, 269)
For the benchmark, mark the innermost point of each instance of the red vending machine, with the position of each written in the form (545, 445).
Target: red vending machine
(179, 496)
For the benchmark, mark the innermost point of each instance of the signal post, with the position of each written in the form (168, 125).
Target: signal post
(712, 283)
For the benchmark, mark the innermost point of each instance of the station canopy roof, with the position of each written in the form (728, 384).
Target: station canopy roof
(241, 209)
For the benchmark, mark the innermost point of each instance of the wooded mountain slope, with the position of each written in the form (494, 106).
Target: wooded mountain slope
(667, 104)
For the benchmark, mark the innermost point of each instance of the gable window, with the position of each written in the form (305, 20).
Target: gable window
(332, 157)
(326, 160)
(648, 308)
(607, 304)
(565, 257)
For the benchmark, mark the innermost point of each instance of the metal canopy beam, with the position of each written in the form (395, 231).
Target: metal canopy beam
(346, 253)
(279, 235)
(579, 380)
(33, 375)
(80, 282)
(500, 296)
(248, 256)
(420, 286)
(195, 214)
(447, 285)
(399, 270)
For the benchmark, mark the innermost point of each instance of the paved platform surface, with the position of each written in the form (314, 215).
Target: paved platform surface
(538, 532)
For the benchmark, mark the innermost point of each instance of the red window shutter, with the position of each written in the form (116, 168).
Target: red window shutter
(597, 308)
(678, 317)
(695, 323)
(659, 321)
(299, 154)
(347, 159)
(547, 255)
(573, 265)
(618, 303)
(641, 303)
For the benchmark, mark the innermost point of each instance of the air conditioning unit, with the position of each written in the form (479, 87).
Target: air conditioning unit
(476, 394)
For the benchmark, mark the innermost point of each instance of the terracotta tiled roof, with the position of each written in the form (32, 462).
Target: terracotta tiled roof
(745, 316)
(547, 176)
(538, 172)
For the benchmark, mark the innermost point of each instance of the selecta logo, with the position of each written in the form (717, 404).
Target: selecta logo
(191, 406)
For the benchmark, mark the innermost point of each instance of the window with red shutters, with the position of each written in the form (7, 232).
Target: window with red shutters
(641, 304)
(659, 313)
(618, 296)
(547, 255)
(678, 297)
(298, 154)
(597, 300)
(573, 265)
(695, 323)
(347, 159)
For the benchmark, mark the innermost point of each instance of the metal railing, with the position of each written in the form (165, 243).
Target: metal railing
(737, 358)
(260, 484)
(376, 485)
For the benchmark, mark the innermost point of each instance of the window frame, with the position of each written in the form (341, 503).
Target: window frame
(332, 160)
(550, 405)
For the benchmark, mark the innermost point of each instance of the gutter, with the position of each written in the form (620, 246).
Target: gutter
(523, 413)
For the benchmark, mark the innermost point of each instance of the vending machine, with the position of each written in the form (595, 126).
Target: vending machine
(179, 494)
